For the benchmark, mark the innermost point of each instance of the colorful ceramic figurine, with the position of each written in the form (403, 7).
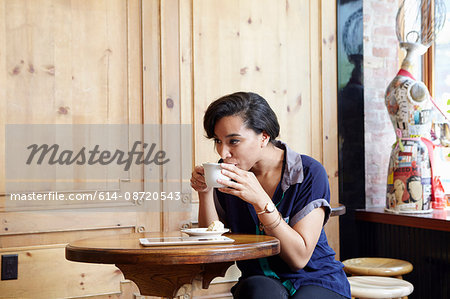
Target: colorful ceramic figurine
(410, 109)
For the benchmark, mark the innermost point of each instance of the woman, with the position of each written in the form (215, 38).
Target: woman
(272, 191)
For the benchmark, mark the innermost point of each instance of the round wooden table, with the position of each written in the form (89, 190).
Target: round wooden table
(162, 270)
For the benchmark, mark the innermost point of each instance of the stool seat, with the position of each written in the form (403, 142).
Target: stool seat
(379, 287)
(377, 266)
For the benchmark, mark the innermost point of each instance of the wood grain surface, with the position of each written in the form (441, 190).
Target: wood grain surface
(162, 270)
(377, 266)
(126, 249)
(437, 220)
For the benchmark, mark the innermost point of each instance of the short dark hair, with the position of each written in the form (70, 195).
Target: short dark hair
(251, 107)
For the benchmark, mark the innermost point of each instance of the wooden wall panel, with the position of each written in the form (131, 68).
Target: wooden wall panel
(66, 61)
(316, 122)
(176, 108)
(162, 62)
(187, 105)
(151, 58)
(151, 90)
(262, 48)
(170, 94)
(61, 236)
(71, 62)
(3, 104)
(285, 51)
(329, 111)
(45, 273)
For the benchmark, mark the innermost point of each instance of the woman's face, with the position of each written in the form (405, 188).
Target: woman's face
(237, 144)
(415, 190)
(399, 189)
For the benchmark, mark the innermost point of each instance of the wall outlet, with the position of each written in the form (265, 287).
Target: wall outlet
(9, 266)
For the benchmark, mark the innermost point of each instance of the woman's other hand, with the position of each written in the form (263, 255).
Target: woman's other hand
(198, 182)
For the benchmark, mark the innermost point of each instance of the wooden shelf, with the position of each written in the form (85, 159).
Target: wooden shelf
(437, 220)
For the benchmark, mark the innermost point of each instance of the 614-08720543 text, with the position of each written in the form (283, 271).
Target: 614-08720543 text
(97, 195)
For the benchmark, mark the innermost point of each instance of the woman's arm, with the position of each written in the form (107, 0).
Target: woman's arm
(298, 242)
(206, 211)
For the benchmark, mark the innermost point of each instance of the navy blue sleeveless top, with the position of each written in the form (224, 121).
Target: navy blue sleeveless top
(303, 187)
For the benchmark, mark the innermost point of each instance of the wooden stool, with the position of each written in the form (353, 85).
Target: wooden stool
(379, 287)
(377, 267)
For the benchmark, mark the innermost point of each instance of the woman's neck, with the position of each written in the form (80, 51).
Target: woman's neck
(272, 161)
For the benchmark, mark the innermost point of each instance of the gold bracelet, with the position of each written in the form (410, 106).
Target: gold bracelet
(272, 225)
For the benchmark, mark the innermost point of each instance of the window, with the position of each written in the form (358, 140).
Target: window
(436, 75)
(437, 66)
(442, 63)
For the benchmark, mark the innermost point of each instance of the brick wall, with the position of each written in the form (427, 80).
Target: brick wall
(380, 67)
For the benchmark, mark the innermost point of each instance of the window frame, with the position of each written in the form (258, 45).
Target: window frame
(428, 76)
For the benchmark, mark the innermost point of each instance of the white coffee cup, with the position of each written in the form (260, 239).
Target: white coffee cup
(212, 173)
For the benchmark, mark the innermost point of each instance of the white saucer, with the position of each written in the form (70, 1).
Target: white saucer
(202, 231)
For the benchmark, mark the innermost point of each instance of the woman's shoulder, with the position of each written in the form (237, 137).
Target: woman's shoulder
(310, 162)
(300, 166)
(313, 169)
(294, 157)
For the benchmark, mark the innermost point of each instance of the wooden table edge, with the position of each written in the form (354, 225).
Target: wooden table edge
(117, 255)
(157, 277)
